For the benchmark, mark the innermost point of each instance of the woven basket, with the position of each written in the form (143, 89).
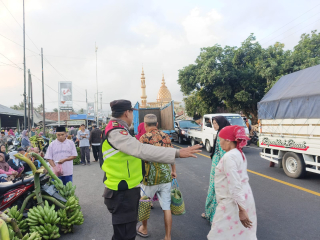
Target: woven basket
(177, 204)
(144, 209)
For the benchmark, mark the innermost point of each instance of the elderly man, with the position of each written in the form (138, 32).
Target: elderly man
(121, 161)
(62, 151)
(158, 176)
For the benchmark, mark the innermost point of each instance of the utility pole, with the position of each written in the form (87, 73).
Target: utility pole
(43, 109)
(24, 74)
(29, 100)
(97, 81)
(32, 123)
(101, 102)
(87, 109)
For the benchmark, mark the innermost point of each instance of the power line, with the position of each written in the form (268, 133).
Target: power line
(289, 29)
(12, 62)
(289, 22)
(301, 28)
(34, 44)
(18, 44)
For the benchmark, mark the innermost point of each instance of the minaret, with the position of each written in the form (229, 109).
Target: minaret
(143, 88)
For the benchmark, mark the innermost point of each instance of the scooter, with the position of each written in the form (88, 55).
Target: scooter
(15, 192)
(13, 145)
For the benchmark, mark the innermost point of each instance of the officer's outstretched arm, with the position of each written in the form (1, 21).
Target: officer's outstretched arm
(121, 140)
(124, 142)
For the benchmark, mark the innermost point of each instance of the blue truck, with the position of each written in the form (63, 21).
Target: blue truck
(165, 116)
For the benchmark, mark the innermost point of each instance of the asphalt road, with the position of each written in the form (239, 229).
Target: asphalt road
(284, 212)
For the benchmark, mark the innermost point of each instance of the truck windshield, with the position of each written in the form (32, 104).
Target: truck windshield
(188, 124)
(235, 120)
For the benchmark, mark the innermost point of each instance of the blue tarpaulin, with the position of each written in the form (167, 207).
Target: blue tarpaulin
(296, 95)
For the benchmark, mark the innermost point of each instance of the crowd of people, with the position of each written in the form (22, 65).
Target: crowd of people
(229, 207)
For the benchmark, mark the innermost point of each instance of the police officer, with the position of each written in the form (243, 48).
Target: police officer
(121, 161)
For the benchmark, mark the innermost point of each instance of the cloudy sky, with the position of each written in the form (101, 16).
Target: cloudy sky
(163, 36)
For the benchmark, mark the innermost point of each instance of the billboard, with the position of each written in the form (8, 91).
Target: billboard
(65, 95)
(90, 109)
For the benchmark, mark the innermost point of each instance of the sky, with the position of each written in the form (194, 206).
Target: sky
(162, 36)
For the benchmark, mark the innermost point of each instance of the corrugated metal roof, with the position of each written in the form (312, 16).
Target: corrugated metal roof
(9, 111)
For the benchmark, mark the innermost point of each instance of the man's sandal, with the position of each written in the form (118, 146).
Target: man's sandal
(140, 233)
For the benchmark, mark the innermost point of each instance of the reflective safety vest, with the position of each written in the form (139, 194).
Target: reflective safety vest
(123, 171)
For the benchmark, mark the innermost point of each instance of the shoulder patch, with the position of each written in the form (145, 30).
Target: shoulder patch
(124, 132)
(115, 124)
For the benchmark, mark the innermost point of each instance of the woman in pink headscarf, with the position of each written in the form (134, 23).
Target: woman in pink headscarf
(11, 132)
(235, 216)
(141, 130)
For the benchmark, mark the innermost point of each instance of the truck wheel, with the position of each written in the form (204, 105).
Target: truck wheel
(294, 165)
(193, 142)
(180, 140)
(208, 147)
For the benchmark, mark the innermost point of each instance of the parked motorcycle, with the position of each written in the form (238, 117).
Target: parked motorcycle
(14, 144)
(254, 138)
(15, 192)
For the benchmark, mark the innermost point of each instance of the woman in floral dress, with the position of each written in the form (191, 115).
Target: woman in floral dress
(235, 216)
(217, 153)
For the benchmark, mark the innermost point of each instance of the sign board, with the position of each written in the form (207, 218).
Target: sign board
(65, 95)
(75, 122)
(90, 109)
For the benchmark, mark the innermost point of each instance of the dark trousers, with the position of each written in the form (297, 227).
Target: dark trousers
(85, 153)
(96, 150)
(123, 205)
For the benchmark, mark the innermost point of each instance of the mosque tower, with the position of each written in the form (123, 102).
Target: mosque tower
(164, 95)
(143, 88)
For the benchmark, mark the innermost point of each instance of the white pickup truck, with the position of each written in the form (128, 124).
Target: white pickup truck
(290, 123)
(207, 134)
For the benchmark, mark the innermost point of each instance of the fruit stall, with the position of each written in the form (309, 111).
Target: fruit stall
(50, 217)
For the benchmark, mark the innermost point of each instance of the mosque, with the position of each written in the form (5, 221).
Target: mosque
(163, 98)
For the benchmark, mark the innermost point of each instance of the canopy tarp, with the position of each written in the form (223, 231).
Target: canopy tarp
(296, 95)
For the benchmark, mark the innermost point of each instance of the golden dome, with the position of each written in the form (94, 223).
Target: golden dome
(164, 94)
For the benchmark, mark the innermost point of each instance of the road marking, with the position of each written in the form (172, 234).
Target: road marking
(271, 178)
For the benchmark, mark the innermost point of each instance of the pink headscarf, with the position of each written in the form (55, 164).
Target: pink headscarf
(11, 132)
(141, 130)
(237, 134)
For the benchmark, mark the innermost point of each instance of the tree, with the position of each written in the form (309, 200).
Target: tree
(20, 106)
(55, 109)
(81, 111)
(39, 108)
(237, 78)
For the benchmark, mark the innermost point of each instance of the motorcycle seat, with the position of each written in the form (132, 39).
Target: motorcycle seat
(6, 186)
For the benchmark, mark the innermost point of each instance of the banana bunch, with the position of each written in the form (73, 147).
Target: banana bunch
(67, 191)
(14, 213)
(32, 236)
(71, 215)
(44, 220)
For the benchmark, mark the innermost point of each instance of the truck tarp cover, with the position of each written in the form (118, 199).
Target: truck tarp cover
(296, 95)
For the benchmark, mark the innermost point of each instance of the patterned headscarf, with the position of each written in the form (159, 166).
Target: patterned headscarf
(237, 134)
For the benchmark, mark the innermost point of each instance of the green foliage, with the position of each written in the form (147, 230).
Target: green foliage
(238, 78)
(77, 160)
